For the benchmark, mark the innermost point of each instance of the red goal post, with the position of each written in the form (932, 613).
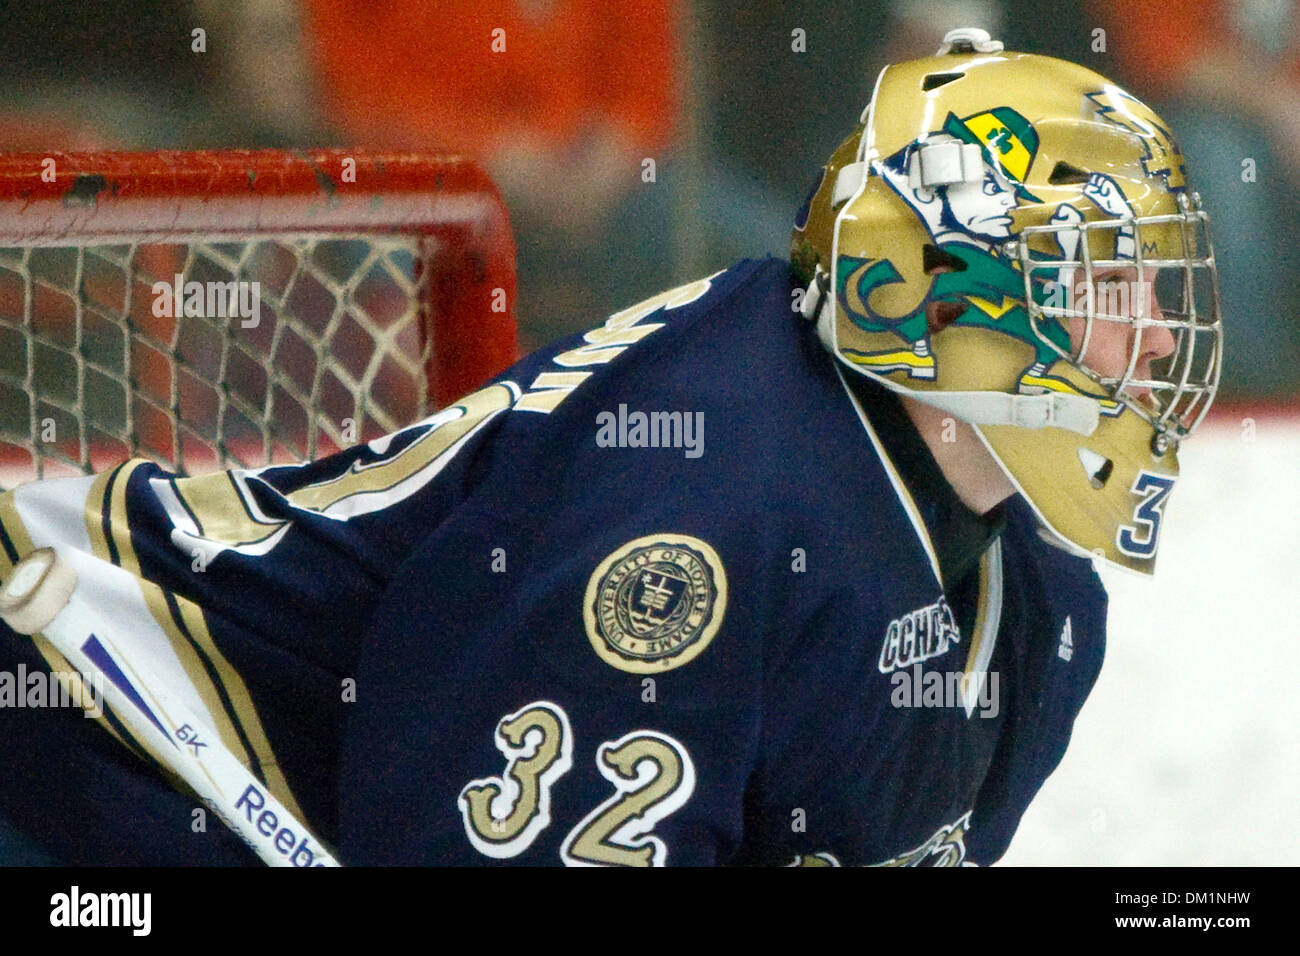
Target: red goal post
(333, 239)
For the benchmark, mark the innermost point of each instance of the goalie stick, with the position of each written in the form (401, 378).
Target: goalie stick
(39, 597)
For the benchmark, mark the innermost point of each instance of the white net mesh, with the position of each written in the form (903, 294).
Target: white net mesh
(91, 373)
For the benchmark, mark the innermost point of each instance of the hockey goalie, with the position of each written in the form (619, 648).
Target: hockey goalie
(792, 564)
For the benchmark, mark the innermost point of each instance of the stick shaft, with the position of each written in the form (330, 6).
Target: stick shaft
(41, 596)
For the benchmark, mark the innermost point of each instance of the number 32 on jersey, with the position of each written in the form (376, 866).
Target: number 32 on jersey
(651, 773)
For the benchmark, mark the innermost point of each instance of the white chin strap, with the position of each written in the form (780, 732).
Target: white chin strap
(1076, 413)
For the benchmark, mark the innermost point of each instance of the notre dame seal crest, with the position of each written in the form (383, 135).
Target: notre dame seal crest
(655, 603)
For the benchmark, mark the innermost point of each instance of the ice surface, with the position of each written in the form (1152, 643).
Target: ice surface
(1186, 753)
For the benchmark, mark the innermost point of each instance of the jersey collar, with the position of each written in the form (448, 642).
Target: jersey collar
(954, 536)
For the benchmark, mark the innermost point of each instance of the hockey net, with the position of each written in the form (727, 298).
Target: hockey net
(237, 308)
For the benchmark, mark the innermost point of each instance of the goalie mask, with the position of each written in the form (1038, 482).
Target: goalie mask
(1042, 213)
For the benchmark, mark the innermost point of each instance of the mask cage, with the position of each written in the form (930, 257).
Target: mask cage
(1181, 387)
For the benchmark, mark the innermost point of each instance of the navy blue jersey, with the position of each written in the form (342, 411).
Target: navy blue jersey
(657, 595)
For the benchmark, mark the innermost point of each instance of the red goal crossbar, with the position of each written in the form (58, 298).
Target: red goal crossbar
(448, 205)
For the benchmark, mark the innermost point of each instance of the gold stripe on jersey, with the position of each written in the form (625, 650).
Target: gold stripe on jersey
(548, 390)
(428, 450)
(988, 619)
(220, 511)
(14, 529)
(213, 677)
(94, 507)
(23, 545)
(245, 710)
(115, 548)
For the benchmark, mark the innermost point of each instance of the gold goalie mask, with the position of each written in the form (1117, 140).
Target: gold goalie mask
(1047, 211)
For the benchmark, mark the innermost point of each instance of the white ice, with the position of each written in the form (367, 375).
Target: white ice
(1186, 753)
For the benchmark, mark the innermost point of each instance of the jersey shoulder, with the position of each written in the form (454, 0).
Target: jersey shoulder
(699, 335)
